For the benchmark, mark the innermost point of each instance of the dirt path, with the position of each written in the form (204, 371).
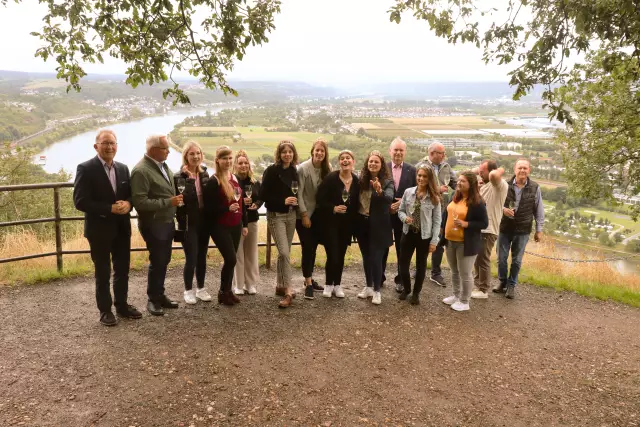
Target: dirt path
(544, 359)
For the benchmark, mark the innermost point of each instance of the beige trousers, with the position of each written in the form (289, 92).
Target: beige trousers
(247, 271)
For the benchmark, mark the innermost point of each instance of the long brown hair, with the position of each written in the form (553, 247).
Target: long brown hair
(224, 180)
(280, 148)
(432, 187)
(242, 153)
(473, 197)
(365, 175)
(325, 166)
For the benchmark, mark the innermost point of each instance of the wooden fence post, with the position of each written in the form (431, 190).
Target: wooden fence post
(58, 227)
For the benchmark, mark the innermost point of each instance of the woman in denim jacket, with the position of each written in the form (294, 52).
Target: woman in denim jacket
(421, 215)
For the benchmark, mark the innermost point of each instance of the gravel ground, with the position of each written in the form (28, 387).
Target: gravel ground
(546, 358)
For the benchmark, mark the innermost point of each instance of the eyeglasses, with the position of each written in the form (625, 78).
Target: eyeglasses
(108, 144)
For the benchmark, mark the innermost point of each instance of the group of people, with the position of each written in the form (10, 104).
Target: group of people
(423, 209)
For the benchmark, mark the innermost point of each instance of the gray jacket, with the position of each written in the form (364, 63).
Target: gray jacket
(430, 215)
(446, 176)
(308, 183)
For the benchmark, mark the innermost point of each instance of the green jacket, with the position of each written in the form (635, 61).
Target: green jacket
(151, 193)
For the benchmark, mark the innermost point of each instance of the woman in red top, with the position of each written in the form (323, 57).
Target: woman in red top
(225, 218)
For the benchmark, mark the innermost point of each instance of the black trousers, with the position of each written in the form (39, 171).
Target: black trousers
(436, 260)
(372, 256)
(195, 245)
(413, 242)
(337, 240)
(159, 239)
(396, 225)
(103, 252)
(309, 243)
(227, 240)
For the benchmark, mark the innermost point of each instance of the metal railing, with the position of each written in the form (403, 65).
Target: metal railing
(58, 219)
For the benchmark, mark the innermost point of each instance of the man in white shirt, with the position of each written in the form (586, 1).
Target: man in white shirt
(494, 192)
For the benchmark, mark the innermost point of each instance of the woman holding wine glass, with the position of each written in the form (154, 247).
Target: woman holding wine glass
(421, 216)
(374, 234)
(464, 219)
(310, 174)
(247, 272)
(190, 182)
(278, 191)
(337, 210)
(226, 219)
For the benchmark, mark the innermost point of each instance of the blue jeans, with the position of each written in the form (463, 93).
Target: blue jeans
(516, 243)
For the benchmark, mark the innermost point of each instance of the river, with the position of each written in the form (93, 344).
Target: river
(67, 153)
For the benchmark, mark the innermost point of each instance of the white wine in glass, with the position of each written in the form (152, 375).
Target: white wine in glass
(237, 193)
(345, 195)
(248, 190)
(455, 217)
(181, 184)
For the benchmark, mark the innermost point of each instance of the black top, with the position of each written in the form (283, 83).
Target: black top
(191, 212)
(215, 207)
(329, 195)
(522, 222)
(93, 195)
(276, 187)
(478, 221)
(407, 178)
(252, 215)
(379, 222)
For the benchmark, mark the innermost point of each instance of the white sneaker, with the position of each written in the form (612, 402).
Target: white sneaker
(238, 291)
(203, 295)
(367, 292)
(337, 291)
(252, 290)
(478, 294)
(328, 290)
(450, 300)
(190, 297)
(460, 306)
(377, 298)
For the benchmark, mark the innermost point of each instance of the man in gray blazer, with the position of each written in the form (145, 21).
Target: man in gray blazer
(154, 198)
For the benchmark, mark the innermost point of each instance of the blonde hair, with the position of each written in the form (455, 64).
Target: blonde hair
(242, 153)
(224, 180)
(185, 150)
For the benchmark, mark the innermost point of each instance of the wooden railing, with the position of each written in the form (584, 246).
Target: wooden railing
(58, 219)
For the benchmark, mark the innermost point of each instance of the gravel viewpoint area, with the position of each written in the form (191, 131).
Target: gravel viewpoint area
(543, 359)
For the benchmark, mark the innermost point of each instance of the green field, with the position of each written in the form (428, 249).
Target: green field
(256, 142)
(614, 217)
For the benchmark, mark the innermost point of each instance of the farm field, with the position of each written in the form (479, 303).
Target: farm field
(256, 141)
(386, 130)
(614, 217)
(451, 123)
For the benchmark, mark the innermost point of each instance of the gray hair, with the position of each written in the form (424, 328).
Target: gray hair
(104, 131)
(398, 140)
(435, 145)
(154, 141)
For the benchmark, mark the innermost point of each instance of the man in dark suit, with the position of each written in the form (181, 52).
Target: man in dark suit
(155, 200)
(404, 176)
(103, 193)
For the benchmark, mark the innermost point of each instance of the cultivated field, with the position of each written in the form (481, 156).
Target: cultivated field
(451, 123)
(387, 130)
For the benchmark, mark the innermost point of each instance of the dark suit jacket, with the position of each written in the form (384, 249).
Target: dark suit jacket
(407, 178)
(93, 195)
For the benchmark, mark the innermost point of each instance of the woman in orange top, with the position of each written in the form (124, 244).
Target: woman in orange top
(464, 219)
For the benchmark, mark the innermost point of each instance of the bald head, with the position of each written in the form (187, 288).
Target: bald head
(436, 153)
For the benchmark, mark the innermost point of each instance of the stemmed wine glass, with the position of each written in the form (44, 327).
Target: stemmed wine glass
(455, 217)
(237, 193)
(248, 190)
(345, 196)
(294, 190)
(181, 184)
(511, 204)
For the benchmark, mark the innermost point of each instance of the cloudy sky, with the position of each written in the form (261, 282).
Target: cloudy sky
(315, 41)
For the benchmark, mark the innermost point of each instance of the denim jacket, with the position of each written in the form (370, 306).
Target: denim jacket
(430, 218)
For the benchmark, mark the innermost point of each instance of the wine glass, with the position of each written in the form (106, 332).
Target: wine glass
(455, 217)
(181, 184)
(248, 190)
(511, 205)
(345, 195)
(237, 193)
(294, 190)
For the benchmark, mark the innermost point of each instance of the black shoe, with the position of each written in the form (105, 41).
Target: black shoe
(415, 299)
(399, 288)
(397, 280)
(129, 312)
(165, 302)
(108, 319)
(511, 292)
(316, 286)
(308, 292)
(403, 296)
(438, 280)
(500, 288)
(155, 308)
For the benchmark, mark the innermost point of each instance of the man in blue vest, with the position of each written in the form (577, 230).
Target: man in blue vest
(522, 206)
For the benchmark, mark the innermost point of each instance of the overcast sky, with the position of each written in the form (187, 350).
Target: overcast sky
(316, 41)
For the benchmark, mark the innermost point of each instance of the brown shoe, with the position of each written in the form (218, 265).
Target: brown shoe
(282, 291)
(234, 298)
(286, 302)
(225, 298)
